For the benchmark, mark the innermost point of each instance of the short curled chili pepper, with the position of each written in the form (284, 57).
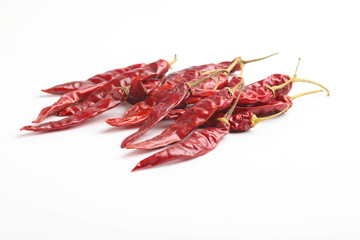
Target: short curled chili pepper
(99, 78)
(112, 99)
(99, 91)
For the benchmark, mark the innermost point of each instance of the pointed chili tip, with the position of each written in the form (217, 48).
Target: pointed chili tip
(135, 168)
(25, 128)
(140, 166)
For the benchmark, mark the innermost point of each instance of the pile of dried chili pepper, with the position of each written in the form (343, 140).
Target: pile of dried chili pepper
(207, 102)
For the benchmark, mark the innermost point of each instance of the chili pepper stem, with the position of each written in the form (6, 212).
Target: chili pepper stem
(230, 111)
(292, 80)
(125, 89)
(197, 82)
(305, 93)
(255, 120)
(217, 83)
(259, 59)
(297, 66)
(241, 83)
(173, 61)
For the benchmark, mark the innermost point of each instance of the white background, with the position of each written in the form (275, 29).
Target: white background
(294, 177)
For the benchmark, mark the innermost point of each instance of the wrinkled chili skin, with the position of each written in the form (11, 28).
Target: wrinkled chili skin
(273, 106)
(193, 72)
(137, 91)
(138, 113)
(234, 81)
(174, 98)
(200, 142)
(154, 69)
(254, 93)
(99, 78)
(241, 122)
(112, 99)
(191, 119)
(155, 96)
(258, 92)
(175, 113)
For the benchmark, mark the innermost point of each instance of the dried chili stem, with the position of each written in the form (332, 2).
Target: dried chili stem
(305, 93)
(259, 59)
(216, 73)
(295, 79)
(244, 62)
(173, 61)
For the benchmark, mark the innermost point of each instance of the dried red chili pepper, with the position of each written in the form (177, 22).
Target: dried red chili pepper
(112, 99)
(239, 121)
(195, 116)
(99, 91)
(200, 142)
(99, 78)
(137, 91)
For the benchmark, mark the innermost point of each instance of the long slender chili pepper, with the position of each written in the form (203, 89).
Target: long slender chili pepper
(193, 72)
(240, 122)
(200, 142)
(112, 99)
(99, 91)
(260, 92)
(99, 78)
(137, 91)
(191, 119)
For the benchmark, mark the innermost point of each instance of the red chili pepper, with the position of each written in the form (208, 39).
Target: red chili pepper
(137, 91)
(99, 91)
(112, 99)
(99, 78)
(239, 121)
(257, 92)
(260, 92)
(196, 71)
(191, 119)
(200, 142)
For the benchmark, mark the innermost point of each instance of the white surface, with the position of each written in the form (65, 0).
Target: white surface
(295, 177)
